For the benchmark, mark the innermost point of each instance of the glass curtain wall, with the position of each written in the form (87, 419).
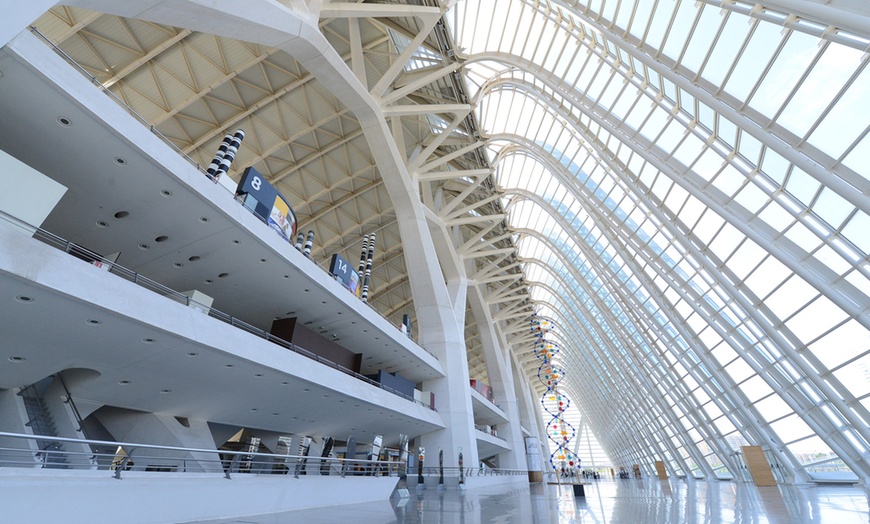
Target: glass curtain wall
(688, 188)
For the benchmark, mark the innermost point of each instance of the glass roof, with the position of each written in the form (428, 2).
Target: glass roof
(687, 188)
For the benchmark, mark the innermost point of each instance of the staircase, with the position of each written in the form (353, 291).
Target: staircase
(41, 423)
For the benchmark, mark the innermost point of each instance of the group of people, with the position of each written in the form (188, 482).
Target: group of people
(584, 474)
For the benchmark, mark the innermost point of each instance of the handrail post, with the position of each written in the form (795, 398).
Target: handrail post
(121, 466)
(234, 463)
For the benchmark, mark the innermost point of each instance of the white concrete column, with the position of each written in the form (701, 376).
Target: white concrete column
(499, 369)
(528, 406)
(452, 397)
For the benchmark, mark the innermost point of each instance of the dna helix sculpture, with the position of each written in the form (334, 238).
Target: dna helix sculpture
(559, 431)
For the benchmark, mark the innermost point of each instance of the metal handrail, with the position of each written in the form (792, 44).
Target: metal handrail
(172, 145)
(226, 466)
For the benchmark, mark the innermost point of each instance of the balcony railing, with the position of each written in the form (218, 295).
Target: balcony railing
(121, 457)
(128, 274)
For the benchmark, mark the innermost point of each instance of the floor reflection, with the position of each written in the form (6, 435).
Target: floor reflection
(631, 501)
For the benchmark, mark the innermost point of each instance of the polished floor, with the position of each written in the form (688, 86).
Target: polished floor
(607, 501)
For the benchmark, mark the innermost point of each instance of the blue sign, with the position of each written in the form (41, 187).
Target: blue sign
(264, 200)
(348, 276)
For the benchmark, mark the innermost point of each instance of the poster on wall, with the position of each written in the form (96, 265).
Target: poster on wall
(281, 220)
(266, 202)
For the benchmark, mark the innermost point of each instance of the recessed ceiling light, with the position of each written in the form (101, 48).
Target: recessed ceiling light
(94, 322)
(194, 258)
(122, 214)
(223, 275)
(123, 382)
(306, 389)
(144, 247)
(275, 414)
(192, 354)
(165, 391)
(120, 160)
(17, 359)
(178, 264)
(284, 383)
(208, 281)
(236, 242)
(166, 192)
(64, 121)
(24, 299)
(258, 374)
(286, 276)
(229, 365)
(253, 409)
(203, 219)
(102, 223)
(262, 260)
(148, 340)
(161, 238)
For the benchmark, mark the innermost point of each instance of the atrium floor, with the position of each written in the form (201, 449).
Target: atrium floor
(607, 501)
